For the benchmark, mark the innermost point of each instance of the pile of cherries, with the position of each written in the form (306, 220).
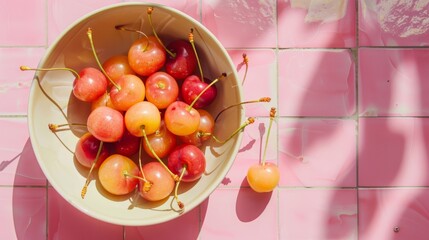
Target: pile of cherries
(148, 102)
(135, 105)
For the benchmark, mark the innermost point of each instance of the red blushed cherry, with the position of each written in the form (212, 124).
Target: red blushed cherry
(127, 146)
(118, 174)
(106, 124)
(183, 62)
(192, 87)
(131, 90)
(181, 119)
(161, 89)
(90, 85)
(103, 101)
(161, 182)
(162, 142)
(86, 151)
(146, 56)
(116, 66)
(188, 158)
(204, 131)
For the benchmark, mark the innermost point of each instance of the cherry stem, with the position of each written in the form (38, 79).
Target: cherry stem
(140, 162)
(204, 90)
(246, 63)
(176, 188)
(123, 28)
(272, 116)
(249, 121)
(191, 40)
(26, 68)
(85, 187)
(126, 174)
(55, 127)
(175, 177)
(59, 139)
(149, 15)
(263, 99)
(89, 33)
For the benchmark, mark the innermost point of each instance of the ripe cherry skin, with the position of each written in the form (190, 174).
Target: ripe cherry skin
(106, 124)
(86, 151)
(146, 56)
(142, 114)
(206, 126)
(192, 87)
(162, 142)
(128, 145)
(90, 85)
(132, 90)
(161, 89)
(112, 174)
(184, 62)
(263, 178)
(161, 180)
(103, 100)
(189, 156)
(180, 120)
(116, 66)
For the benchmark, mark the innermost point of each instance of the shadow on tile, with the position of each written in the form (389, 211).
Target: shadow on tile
(250, 204)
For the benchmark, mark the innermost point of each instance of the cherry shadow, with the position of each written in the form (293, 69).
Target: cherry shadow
(250, 204)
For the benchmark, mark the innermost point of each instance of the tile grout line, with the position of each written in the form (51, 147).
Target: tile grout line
(277, 92)
(357, 136)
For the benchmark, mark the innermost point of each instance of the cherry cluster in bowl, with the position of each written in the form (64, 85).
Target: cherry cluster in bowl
(147, 103)
(135, 104)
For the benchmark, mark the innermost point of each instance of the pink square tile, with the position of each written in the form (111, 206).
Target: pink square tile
(23, 23)
(185, 227)
(189, 7)
(393, 23)
(317, 152)
(63, 13)
(316, 23)
(23, 213)
(392, 82)
(261, 79)
(18, 166)
(394, 214)
(308, 214)
(241, 24)
(393, 152)
(251, 151)
(15, 84)
(240, 214)
(316, 83)
(66, 222)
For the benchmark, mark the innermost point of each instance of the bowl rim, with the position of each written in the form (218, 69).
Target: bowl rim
(205, 192)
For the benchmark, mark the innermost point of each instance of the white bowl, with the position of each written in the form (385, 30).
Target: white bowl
(72, 50)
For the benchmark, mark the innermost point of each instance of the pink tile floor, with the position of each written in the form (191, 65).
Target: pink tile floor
(350, 80)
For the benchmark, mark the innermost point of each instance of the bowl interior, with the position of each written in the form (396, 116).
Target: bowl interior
(72, 50)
